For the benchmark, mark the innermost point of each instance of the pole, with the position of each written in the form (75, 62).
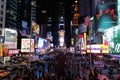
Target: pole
(30, 37)
(30, 46)
(90, 56)
(90, 33)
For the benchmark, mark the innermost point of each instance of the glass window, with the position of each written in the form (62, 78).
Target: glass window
(1, 6)
(2, 12)
(1, 18)
(0, 25)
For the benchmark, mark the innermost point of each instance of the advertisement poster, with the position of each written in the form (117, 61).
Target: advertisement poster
(82, 41)
(11, 38)
(1, 50)
(108, 23)
(106, 16)
(97, 48)
(42, 43)
(25, 45)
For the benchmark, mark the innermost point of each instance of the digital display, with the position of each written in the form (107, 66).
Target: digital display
(106, 16)
(108, 23)
(42, 43)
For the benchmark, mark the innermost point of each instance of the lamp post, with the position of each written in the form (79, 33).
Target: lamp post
(90, 34)
(30, 36)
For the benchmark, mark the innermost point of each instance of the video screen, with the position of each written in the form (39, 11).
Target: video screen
(106, 16)
(42, 43)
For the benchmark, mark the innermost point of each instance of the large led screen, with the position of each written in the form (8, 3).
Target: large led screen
(42, 43)
(108, 23)
(106, 16)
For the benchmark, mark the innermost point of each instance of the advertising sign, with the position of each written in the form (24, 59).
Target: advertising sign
(11, 52)
(7, 58)
(1, 31)
(24, 24)
(35, 28)
(106, 16)
(25, 45)
(61, 37)
(82, 28)
(97, 48)
(11, 45)
(42, 43)
(10, 35)
(82, 41)
(11, 38)
(1, 50)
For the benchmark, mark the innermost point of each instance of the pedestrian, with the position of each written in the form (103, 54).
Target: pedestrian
(84, 78)
(91, 75)
(104, 79)
(117, 77)
(110, 72)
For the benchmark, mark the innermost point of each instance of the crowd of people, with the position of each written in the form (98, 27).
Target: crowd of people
(61, 66)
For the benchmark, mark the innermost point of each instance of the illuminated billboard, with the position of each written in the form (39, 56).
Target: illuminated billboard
(42, 43)
(61, 37)
(97, 48)
(25, 45)
(106, 16)
(11, 38)
(82, 41)
(108, 22)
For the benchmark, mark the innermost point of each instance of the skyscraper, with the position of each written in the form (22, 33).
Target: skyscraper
(2, 16)
(11, 20)
(58, 13)
(26, 14)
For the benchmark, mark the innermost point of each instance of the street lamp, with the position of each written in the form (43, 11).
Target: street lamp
(30, 36)
(90, 34)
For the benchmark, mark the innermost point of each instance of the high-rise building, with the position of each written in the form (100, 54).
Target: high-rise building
(33, 10)
(52, 16)
(27, 14)
(2, 16)
(44, 16)
(11, 20)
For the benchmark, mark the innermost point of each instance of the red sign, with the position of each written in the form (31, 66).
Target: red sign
(13, 51)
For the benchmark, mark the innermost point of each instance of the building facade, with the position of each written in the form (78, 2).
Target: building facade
(11, 20)
(2, 16)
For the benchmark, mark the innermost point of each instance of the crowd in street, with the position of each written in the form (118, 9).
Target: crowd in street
(61, 66)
